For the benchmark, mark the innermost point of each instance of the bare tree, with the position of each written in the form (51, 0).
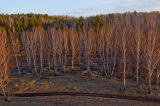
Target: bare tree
(60, 47)
(48, 49)
(4, 61)
(137, 48)
(33, 47)
(158, 68)
(74, 46)
(114, 51)
(151, 51)
(102, 46)
(88, 47)
(26, 45)
(158, 75)
(125, 39)
(124, 50)
(65, 40)
(15, 47)
(54, 47)
(80, 46)
(40, 41)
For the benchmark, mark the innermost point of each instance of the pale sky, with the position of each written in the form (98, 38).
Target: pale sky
(77, 7)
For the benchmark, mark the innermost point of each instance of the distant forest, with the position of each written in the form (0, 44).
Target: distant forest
(26, 22)
(125, 45)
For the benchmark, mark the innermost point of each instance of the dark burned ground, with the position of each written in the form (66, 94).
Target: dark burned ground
(73, 101)
(75, 82)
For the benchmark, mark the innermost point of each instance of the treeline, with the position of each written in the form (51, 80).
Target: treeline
(123, 45)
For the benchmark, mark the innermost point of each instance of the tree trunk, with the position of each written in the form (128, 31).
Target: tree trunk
(41, 59)
(17, 64)
(137, 70)
(149, 84)
(114, 64)
(65, 61)
(104, 65)
(35, 66)
(72, 62)
(55, 63)
(49, 62)
(157, 82)
(124, 71)
(88, 65)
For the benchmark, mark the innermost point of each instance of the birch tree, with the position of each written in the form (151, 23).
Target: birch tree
(102, 49)
(151, 51)
(26, 46)
(124, 51)
(65, 40)
(54, 46)
(33, 47)
(39, 43)
(137, 48)
(74, 45)
(4, 61)
(15, 48)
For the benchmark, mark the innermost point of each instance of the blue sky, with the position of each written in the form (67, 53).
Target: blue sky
(77, 7)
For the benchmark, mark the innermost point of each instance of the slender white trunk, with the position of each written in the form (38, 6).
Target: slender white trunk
(104, 63)
(55, 62)
(72, 63)
(149, 85)
(41, 53)
(149, 76)
(107, 59)
(124, 70)
(137, 67)
(17, 63)
(88, 64)
(65, 54)
(49, 62)
(114, 64)
(157, 81)
(35, 64)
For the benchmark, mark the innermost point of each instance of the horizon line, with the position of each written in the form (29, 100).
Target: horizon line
(65, 15)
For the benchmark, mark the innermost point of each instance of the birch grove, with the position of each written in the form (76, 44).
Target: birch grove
(122, 46)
